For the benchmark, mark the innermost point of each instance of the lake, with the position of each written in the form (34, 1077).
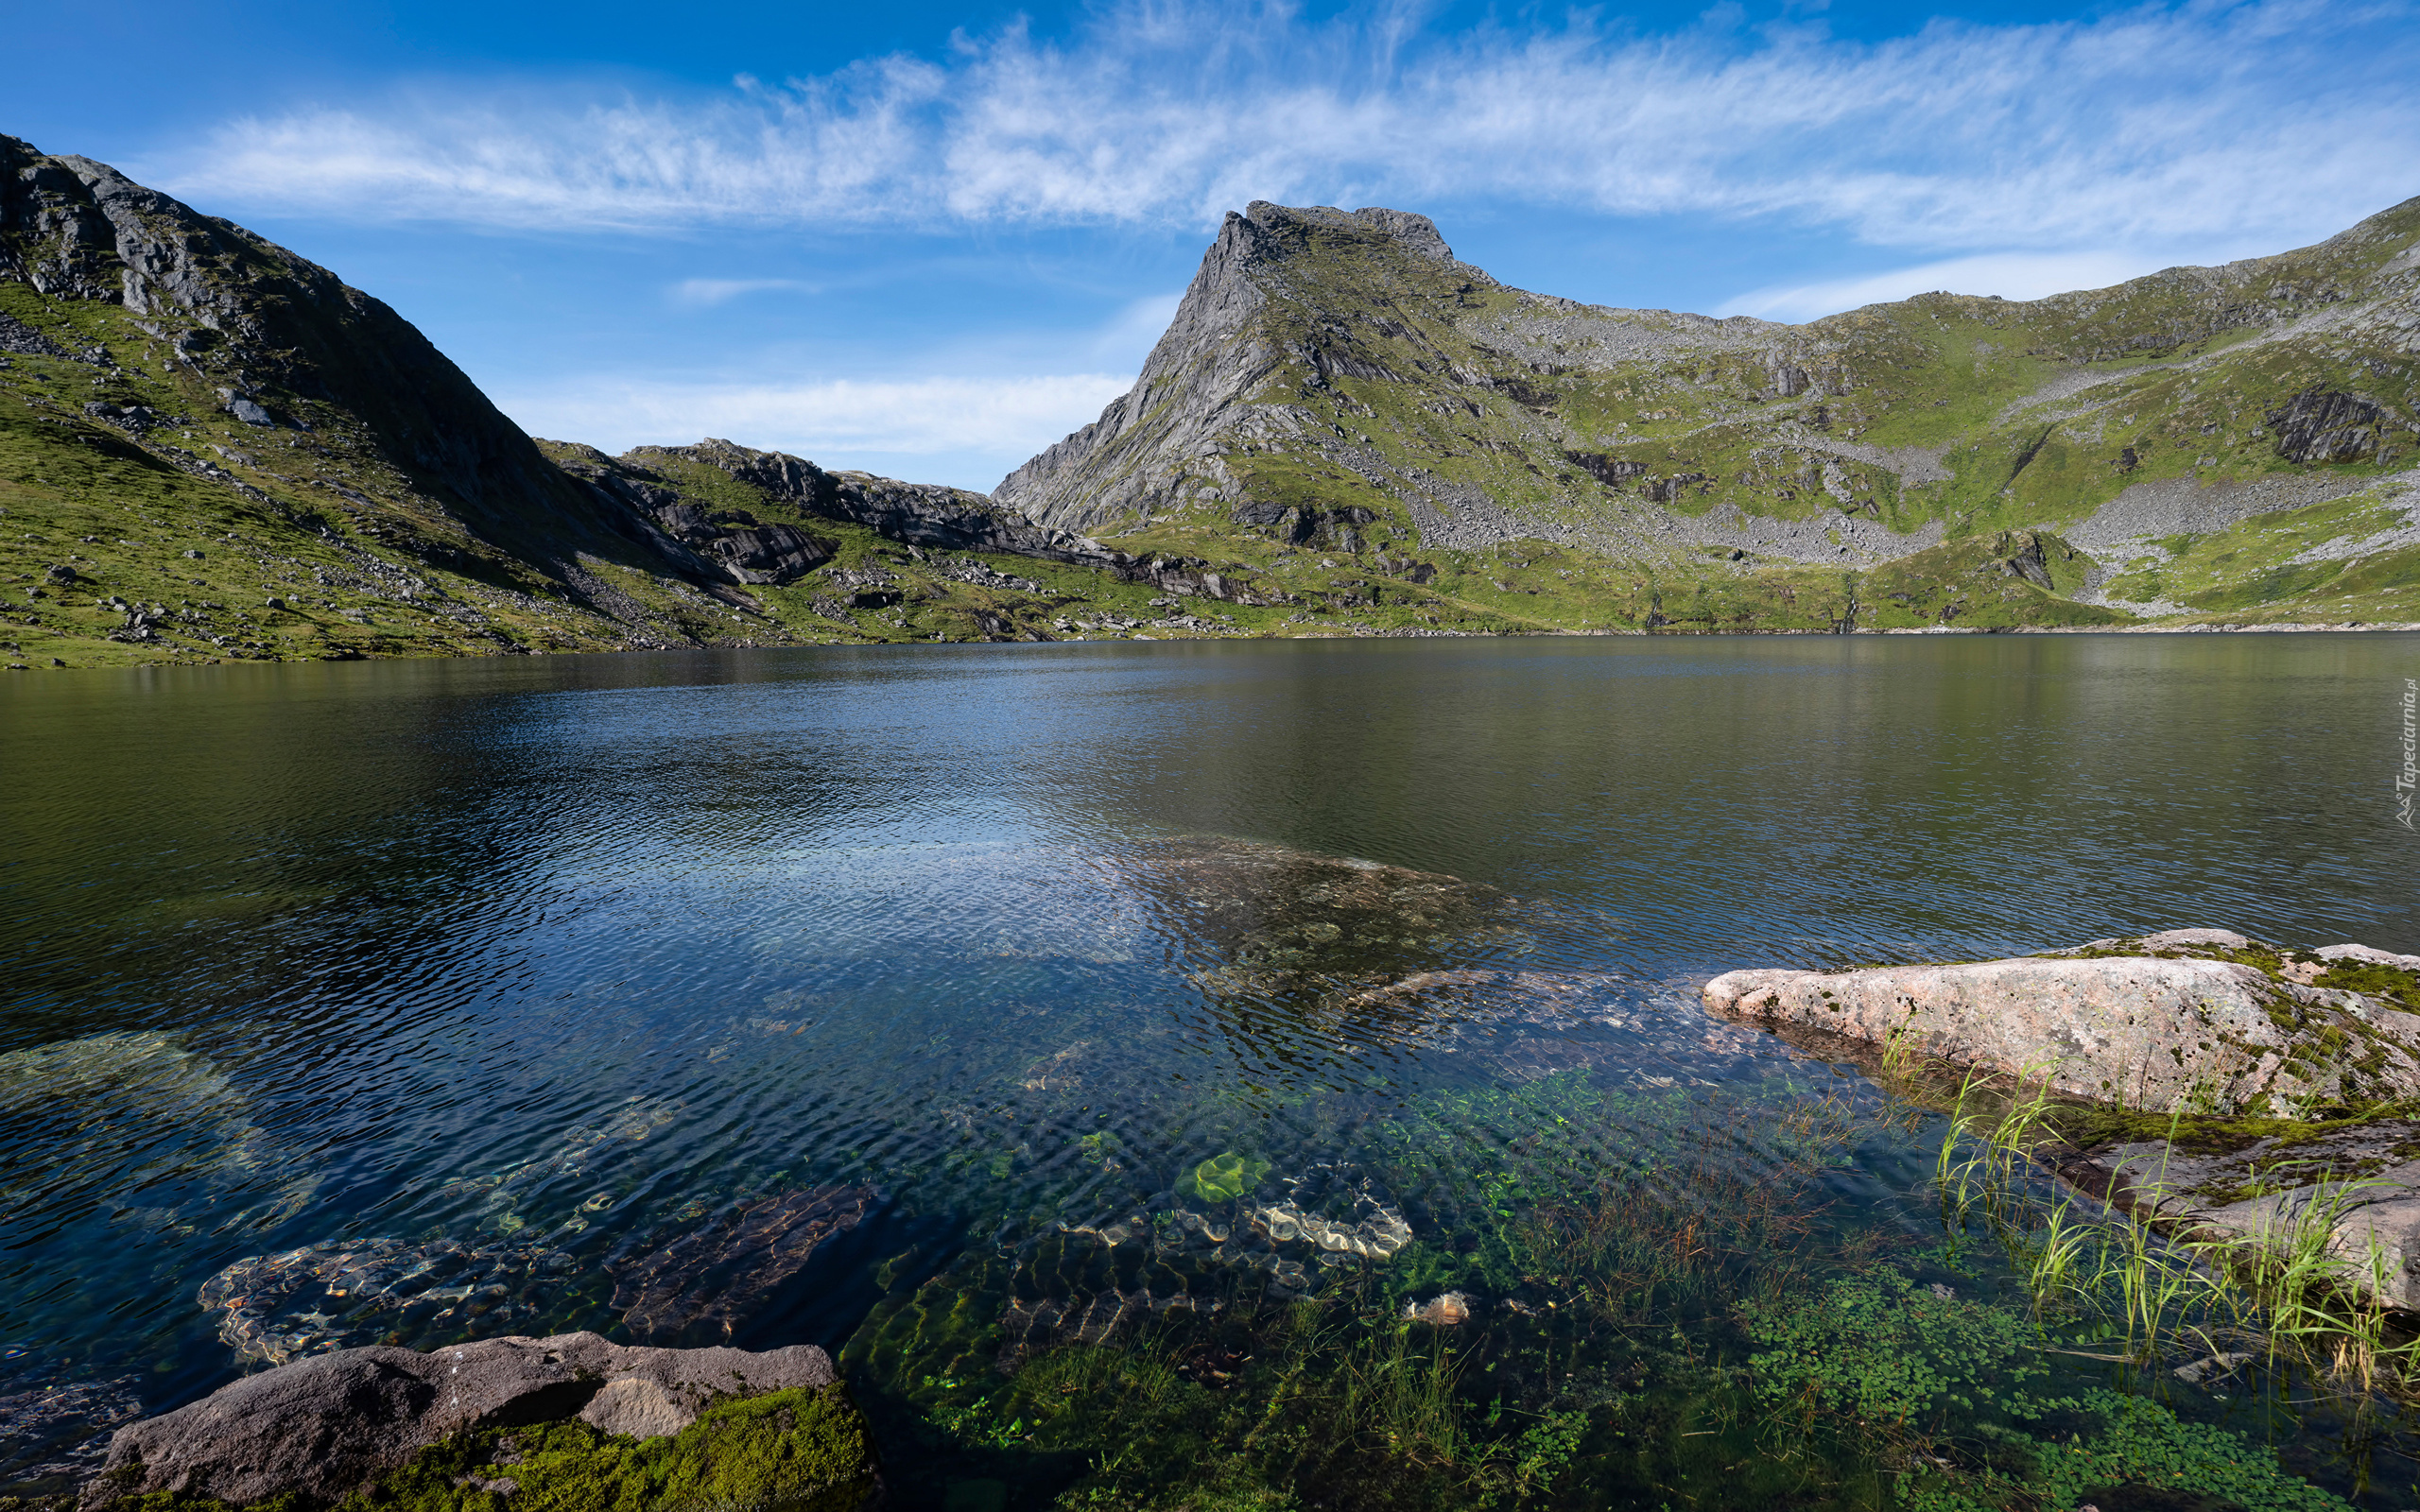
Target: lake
(1100, 1048)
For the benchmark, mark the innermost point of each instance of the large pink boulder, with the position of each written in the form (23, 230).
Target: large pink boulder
(2191, 1019)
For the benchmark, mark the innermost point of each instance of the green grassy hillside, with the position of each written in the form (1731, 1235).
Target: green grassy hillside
(1390, 394)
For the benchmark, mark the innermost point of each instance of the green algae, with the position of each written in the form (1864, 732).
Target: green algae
(1223, 1178)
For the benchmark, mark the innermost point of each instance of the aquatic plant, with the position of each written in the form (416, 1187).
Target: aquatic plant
(2134, 1442)
(1892, 1355)
(1223, 1177)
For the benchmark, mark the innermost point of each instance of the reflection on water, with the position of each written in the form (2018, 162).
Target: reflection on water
(983, 1013)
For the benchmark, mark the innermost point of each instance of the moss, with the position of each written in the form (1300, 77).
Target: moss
(2372, 979)
(798, 1451)
(2088, 1125)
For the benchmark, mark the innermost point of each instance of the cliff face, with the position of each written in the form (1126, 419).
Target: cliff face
(1335, 379)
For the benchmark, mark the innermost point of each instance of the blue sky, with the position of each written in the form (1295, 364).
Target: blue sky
(927, 240)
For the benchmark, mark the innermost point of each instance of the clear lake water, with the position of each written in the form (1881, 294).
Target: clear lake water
(1256, 1074)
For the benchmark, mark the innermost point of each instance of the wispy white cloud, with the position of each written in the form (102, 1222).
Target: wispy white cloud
(704, 293)
(2163, 125)
(2010, 275)
(1004, 418)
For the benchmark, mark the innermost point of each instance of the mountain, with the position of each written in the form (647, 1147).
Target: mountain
(212, 449)
(2203, 442)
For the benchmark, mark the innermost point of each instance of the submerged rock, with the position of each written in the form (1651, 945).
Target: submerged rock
(335, 1295)
(1031, 1326)
(717, 1274)
(1274, 919)
(2200, 1021)
(1374, 1231)
(54, 1425)
(584, 1145)
(1447, 1309)
(323, 1429)
(114, 1113)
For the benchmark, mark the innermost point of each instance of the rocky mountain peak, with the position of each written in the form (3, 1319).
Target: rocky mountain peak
(1289, 227)
(1267, 298)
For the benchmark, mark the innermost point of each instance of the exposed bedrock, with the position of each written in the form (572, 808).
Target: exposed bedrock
(330, 1426)
(2200, 1021)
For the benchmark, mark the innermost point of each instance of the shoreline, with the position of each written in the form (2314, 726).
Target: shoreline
(1339, 633)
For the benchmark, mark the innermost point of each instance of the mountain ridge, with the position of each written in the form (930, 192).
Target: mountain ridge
(1233, 375)
(1345, 430)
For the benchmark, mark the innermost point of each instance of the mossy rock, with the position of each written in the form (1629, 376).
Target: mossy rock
(1223, 1177)
(798, 1451)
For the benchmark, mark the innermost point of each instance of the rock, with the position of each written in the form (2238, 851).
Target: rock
(249, 413)
(328, 1427)
(115, 1113)
(715, 1275)
(919, 515)
(22, 339)
(2363, 952)
(2360, 1181)
(641, 1408)
(1030, 1327)
(2214, 1366)
(54, 1425)
(2317, 425)
(327, 1296)
(322, 1427)
(2201, 1020)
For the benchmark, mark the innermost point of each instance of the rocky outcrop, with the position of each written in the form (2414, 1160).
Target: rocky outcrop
(712, 542)
(329, 1427)
(2196, 1019)
(2319, 426)
(1256, 308)
(919, 514)
(721, 538)
(2362, 1183)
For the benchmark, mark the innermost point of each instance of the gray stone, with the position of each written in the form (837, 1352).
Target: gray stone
(251, 413)
(2363, 952)
(22, 339)
(2318, 426)
(329, 1425)
(642, 1409)
(2361, 1182)
(2159, 1024)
